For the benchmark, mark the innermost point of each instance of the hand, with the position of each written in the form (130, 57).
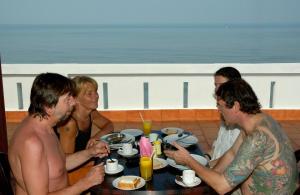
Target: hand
(181, 155)
(92, 142)
(95, 176)
(99, 149)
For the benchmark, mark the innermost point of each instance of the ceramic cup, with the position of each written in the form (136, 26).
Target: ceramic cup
(188, 177)
(112, 166)
(127, 148)
(153, 137)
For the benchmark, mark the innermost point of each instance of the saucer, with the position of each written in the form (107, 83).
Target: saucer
(134, 152)
(197, 181)
(120, 168)
(133, 132)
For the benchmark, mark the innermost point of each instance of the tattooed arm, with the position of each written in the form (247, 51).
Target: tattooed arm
(227, 158)
(255, 149)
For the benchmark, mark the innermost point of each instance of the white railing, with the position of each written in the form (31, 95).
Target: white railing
(159, 86)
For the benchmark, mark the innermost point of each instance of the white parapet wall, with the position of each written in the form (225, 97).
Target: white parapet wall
(159, 86)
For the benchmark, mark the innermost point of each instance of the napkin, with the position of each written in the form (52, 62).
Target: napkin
(145, 147)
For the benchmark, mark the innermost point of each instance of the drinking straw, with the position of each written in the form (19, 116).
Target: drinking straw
(141, 116)
(153, 151)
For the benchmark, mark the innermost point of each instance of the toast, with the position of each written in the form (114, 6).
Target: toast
(129, 183)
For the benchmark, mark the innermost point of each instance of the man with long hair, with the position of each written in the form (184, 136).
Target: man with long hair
(37, 160)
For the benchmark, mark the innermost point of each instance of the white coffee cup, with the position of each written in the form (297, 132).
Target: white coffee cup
(112, 165)
(153, 137)
(188, 177)
(127, 148)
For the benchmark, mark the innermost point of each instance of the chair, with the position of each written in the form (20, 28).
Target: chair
(297, 155)
(5, 182)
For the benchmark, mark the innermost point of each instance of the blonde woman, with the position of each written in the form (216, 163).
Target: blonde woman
(75, 133)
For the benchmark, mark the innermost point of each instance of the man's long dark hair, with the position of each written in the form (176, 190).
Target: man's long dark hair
(46, 90)
(239, 91)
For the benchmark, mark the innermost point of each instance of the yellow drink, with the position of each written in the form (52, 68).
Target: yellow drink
(146, 168)
(147, 127)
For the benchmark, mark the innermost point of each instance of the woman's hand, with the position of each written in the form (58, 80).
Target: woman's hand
(92, 142)
(99, 149)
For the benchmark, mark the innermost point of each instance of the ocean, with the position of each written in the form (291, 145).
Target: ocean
(35, 44)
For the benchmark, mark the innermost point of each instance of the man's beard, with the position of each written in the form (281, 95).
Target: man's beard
(227, 125)
(66, 116)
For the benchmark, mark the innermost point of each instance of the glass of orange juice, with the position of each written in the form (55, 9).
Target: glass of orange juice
(147, 124)
(146, 167)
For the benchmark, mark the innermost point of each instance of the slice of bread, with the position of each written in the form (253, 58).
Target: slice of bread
(129, 183)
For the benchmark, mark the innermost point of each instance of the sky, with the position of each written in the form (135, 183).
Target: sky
(148, 11)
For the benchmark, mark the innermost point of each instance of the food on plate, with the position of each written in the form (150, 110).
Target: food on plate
(129, 183)
(170, 131)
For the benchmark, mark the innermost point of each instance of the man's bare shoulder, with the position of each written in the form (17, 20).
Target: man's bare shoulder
(26, 136)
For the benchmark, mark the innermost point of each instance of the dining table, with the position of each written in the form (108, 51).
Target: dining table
(162, 182)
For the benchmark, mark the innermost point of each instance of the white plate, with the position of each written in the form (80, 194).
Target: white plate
(159, 163)
(197, 157)
(116, 181)
(184, 142)
(120, 168)
(133, 132)
(197, 181)
(127, 139)
(134, 152)
(171, 130)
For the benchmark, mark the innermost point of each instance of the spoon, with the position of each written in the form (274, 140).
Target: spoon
(179, 178)
(110, 158)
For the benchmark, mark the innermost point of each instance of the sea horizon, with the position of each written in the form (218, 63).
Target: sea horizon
(149, 43)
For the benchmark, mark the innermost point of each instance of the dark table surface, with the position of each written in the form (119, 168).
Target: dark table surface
(163, 180)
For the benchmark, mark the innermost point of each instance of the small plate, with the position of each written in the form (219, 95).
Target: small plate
(120, 168)
(171, 130)
(197, 181)
(133, 132)
(202, 160)
(114, 138)
(127, 139)
(159, 163)
(184, 142)
(134, 152)
(116, 181)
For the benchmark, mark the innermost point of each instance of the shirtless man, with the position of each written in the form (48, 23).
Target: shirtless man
(262, 162)
(37, 160)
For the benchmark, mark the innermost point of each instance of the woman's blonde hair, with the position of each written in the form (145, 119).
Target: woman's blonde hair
(80, 81)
